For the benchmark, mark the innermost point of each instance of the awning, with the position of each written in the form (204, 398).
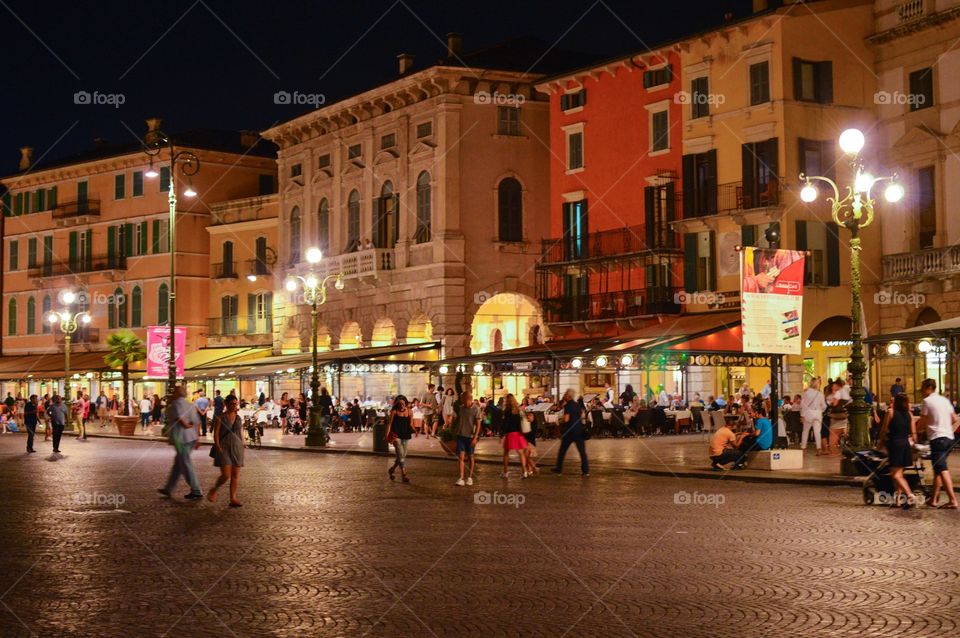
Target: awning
(50, 365)
(936, 330)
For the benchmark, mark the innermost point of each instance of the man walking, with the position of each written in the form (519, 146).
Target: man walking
(812, 406)
(936, 413)
(58, 420)
(428, 404)
(30, 421)
(202, 403)
(573, 433)
(468, 432)
(183, 420)
(217, 405)
(146, 407)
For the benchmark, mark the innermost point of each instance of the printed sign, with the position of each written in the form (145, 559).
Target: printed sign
(771, 300)
(158, 351)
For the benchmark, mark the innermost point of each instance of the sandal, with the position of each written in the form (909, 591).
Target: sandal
(947, 506)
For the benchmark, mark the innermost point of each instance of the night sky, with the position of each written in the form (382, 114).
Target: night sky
(207, 64)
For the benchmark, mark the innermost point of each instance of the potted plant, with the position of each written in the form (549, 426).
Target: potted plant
(125, 348)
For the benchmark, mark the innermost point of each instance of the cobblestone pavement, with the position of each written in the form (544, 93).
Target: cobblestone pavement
(325, 545)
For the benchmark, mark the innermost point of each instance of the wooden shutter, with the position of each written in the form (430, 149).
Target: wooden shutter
(833, 255)
(712, 265)
(111, 244)
(143, 238)
(797, 79)
(156, 236)
(688, 176)
(747, 160)
(251, 313)
(669, 241)
(748, 235)
(824, 78)
(690, 262)
(72, 259)
(649, 204)
(711, 184)
(128, 239)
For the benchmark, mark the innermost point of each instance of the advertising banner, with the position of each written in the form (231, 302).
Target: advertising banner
(158, 351)
(771, 300)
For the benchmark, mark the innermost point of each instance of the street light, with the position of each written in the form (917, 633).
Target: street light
(315, 294)
(154, 144)
(855, 211)
(69, 322)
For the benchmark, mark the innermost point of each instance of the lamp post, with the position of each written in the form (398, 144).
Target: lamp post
(315, 294)
(155, 143)
(854, 211)
(69, 321)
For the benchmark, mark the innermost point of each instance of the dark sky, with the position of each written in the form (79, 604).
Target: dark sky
(217, 64)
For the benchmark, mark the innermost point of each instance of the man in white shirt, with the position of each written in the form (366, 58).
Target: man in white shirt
(812, 406)
(182, 419)
(766, 390)
(663, 400)
(937, 415)
(146, 407)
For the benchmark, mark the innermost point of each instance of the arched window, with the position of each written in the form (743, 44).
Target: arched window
(136, 304)
(228, 270)
(510, 209)
(496, 340)
(12, 317)
(323, 226)
(295, 235)
(45, 309)
(422, 232)
(121, 300)
(31, 316)
(353, 222)
(261, 250)
(163, 304)
(385, 220)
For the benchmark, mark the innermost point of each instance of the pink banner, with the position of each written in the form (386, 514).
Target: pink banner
(158, 351)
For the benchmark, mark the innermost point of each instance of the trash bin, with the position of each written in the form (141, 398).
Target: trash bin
(379, 437)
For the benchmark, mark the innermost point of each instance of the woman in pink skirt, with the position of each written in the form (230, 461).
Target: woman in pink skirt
(513, 438)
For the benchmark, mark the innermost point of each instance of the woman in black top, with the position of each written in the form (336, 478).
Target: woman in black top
(398, 425)
(898, 434)
(627, 396)
(513, 438)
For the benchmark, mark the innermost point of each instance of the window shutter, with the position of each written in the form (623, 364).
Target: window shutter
(156, 236)
(111, 244)
(747, 160)
(112, 312)
(649, 202)
(797, 79)
(712, 266)
(671, 215)
(801, 243)
(647, 79)
(72, 260)
(88, 249)
(143, 238)
(748, 235)
(669, 72)
(251, 313)
(564, 102)
(6, 204)
(833, 255)
(689, 203)
(690, 262)
(128, 239)
(52, 199)
(773, 158)
(711, 182)
(825, 82)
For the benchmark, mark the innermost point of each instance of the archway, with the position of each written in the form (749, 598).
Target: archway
(384, 333)
(827, 351)
(512, 314)
(350, 336)
(926, 316)
(323, 338)
(420, 329)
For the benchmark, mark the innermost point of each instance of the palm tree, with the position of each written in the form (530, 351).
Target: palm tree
(125, 348)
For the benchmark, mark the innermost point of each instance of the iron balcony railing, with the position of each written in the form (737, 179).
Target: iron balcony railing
(78, 208)
(606, 243)
(230, 326)
(258, 267)
(82, 264)
(224, 270)
(733, 196)
(611, 305)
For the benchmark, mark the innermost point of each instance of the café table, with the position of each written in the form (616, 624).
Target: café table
(682, 418)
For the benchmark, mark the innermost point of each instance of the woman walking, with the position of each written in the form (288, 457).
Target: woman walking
(898, 434)
(228, 449)
(157, 409)
(447, 407)
(399, 432)
(513, 438)
(284, 406)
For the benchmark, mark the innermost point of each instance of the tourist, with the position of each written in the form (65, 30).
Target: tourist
(663, 400)
(30, 421)
(228, 449)
(218, 404)
(9, 402)
(513, 438)
(898, 434)
(759, 433)
(201, 404)
(468, 432)
(938, 416)
(766, 390)
(897, 388)
(627, 396)
(574, 433)
(261, 399)
(284, 406)
(447, 407)
(157, 408)
(183, 420)
(146, 405)
(113, 405)
(608, 395)
(398, 433)
(326, 407)
(45, 415)
(302, 408)
(812, 406)
(837, 402)
(723, 449)
(429, 406)
(528, 427)
(101, 406)
(58, 420)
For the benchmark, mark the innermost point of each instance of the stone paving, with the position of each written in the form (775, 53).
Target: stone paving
(325, 545)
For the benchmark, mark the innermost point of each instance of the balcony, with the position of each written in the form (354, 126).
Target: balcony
(84, 335)
(362, 263)
(81, 265)
(222, 330)
(619, 242)
(224, 270)
(77, 212)
(611, 305)
(733, 197)
(932, 263)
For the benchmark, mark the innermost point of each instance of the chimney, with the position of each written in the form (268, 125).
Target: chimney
(454, 44)
(153, 124)
(26, 157)
(406, 62)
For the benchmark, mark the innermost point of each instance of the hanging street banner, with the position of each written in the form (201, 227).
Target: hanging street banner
(771, 299)
(158, 351)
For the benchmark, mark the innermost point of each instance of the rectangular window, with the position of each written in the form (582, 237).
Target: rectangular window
(41, 200)
(575, 100)
(324, 161)
(574, 150)
(48, 251)
(18, 204)
(14, 255)
(52, 198)
(575, 224)
(119, 186)
(700, 262)
(921, 89)
(266, 184)
(27, 203)
(32, 252)
(700, 184)
(355, 151)
(659, 131)
(817, 158)
(759, 83)
(161, 242)
(699, 98)
(424, 129)
(508, 120)
(926, 207)
(823, 243)
(657, 77)
(761, 185)
(164, 179)
(137, 183)
(813, 81)
(141, 244)
(7, 204)
(296, 170)
(659, 209)
(388, 141)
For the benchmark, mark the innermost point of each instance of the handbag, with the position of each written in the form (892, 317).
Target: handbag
(391, 438)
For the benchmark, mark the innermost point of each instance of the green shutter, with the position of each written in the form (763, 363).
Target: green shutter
(72, 260)
(41, 199)
(143, 238)
(32, 252)
(7, 204)
(128, 239)
(712, 265)
(14, 255)
(137, 183)
(26, 203)
(111, 243)
(251, 313)
(690, 262)
(18, 204)
(88, 241)
(156, 236)
(833, 255)
(748, 235)
(52, 198)
(164, 179)
(119, 186)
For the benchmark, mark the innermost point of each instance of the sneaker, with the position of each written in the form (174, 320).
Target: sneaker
(192, 497)
(470, 481)
(460, 483)
(585, 474)
(164, 492)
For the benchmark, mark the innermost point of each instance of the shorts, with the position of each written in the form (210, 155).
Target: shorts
(465, 445)
(939, 451)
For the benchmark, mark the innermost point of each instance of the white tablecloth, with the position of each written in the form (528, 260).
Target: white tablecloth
(679, 414)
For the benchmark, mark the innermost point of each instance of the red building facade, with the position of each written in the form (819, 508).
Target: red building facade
(616, 152)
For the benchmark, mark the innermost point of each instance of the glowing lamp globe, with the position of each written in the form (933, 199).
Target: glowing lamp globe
(894, 193)
(851, 141)
(808, 193)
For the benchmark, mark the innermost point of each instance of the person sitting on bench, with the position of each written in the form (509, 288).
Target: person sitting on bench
(760, 437)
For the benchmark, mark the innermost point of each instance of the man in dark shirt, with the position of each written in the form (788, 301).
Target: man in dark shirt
(9, 401)
(897, 387)
(30, 421)
(217, 404)
(573, 433)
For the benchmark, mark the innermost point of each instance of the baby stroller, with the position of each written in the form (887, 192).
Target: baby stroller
(294, 424)
(879, 489)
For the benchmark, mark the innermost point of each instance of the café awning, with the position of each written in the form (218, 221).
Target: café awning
(50, 365)
(936, 330)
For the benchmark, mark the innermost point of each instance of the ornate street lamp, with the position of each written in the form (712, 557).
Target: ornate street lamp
(855, 211)
(155, 143)
(69, 321)
(315, 294)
